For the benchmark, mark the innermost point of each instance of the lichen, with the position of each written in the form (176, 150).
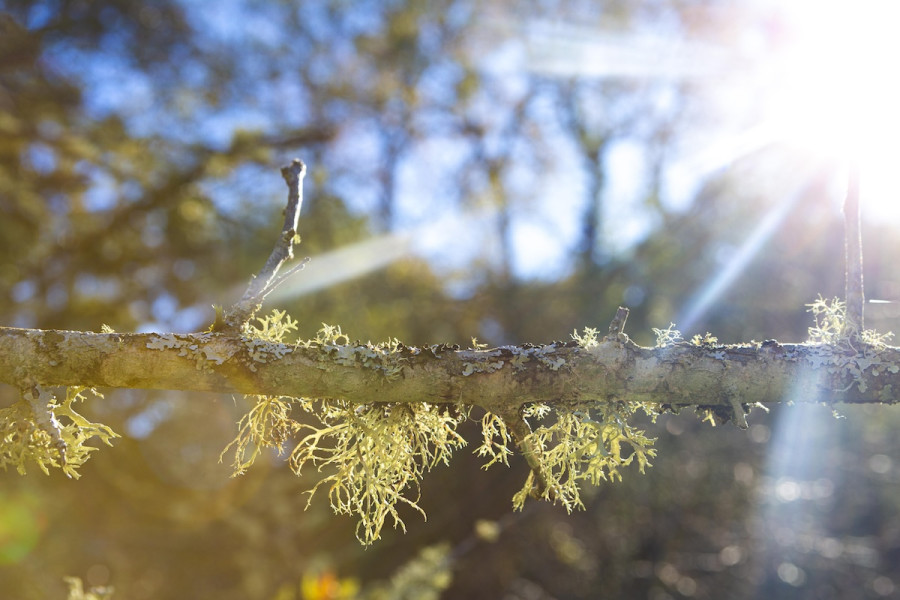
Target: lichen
(383, 357)
(668, 336)
(491, 361)
(495, 440)
(577, 444)
(263, 351)
(203, 355)
(831, 327)
(543, 355)
(488, 366)
(77, 591)
(590, 338)
(844, 351)
(376, 453)
(23, 439)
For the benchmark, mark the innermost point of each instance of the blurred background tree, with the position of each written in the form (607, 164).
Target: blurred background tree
(477, 169)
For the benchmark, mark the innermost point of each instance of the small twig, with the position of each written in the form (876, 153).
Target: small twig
(521, 432)
(38, 399)
(617, 325)
(738, 416)
(287, 275)
(267, 279)
(853, 283)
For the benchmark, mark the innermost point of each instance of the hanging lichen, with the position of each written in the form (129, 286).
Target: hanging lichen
(50, 435)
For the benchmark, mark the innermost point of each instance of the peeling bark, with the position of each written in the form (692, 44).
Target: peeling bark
(499, 379)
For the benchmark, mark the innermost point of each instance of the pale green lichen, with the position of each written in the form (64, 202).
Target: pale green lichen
(470, 368)
(490, 361)
(519, 360)
(77, 591)
(383, 357)
(495, 440)
(588, 339)
(579, 444)
(845, 350)
(61, 445)
(831, 326)
(376, 453)
(264, 338)
(272, 328)
(476, 345)
(165, 341)
(203, 355)
(543, 355)
(668, 336)
(373, 456)
(263, 351)
(707, 339)
(268, 424)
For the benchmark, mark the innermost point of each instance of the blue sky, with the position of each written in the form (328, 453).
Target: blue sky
(726, 123)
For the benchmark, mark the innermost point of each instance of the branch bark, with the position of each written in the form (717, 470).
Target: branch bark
(267, 279)
(853, 256)
(498, 379)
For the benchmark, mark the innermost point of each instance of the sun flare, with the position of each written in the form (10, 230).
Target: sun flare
(833, 90)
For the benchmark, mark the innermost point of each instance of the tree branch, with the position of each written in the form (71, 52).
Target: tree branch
(853, 283)
(266, 280)
(498, 380)
(521, 433)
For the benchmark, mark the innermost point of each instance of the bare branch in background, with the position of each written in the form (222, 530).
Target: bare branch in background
(267, 279)
(853, 286)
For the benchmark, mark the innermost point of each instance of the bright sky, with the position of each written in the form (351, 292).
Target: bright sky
(834, 92)
(818, 75)
(815, 76)
(810, 75)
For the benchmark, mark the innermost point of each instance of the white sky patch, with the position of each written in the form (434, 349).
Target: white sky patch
(573, 51)
(698, 159)
(878, 189)
(625, 221)
(537, 253)
(426, 186)
(832, 90)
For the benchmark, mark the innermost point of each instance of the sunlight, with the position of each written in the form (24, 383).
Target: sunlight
(832, 90)
(793, 515)
(370, 255)
(817, 75)
(711, 290)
